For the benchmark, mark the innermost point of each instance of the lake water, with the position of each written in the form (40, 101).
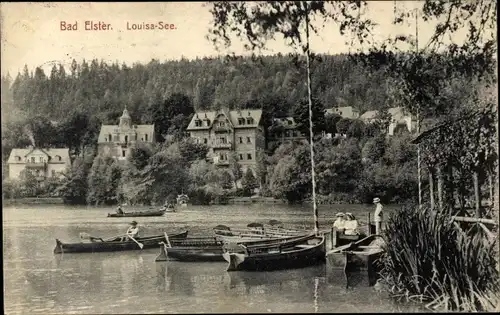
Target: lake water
(38, 281)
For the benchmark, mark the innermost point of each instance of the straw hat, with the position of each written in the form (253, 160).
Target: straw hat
(375, 200)
(340, 214)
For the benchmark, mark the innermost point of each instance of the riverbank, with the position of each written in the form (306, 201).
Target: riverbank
(33, 201)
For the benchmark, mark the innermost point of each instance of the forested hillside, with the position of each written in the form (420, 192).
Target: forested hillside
(101, 88)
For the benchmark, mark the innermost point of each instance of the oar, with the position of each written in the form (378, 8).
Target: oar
(87, 236)
(133, 239)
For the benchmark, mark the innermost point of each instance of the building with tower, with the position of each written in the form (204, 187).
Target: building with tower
(117, 140)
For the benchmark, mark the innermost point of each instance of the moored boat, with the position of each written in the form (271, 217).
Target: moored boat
(110, 246)
(294, 253)
(148, 213)
(205, 248)
(192, 249)
(357, 256)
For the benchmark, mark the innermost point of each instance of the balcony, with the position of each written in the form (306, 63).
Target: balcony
(221, 162)
(222, 145)
(36, 165)
(221, 129)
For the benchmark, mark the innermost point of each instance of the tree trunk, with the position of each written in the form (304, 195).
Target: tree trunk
(450, 189)
(477, 193)
(431, 187)
(440, 187)
(490, 182)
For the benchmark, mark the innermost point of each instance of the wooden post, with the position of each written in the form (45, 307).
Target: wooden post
(440, 187)
(477, 193)
(431, 187)
(369, 232)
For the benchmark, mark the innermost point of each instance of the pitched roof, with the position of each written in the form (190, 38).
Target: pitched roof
(285, 122)
(111, 129)
(371, 114)
(51, 152)
(232, 115)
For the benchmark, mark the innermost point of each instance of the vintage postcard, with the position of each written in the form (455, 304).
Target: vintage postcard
(249, 157)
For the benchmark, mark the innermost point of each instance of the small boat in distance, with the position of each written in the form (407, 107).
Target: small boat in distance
(114, 245)
(148, 213)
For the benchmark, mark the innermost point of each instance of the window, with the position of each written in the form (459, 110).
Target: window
(241, 121)
(41, 159)
(241, 139)
(221, 123)
(249, 156)
(197, 123)
(146, 137)
(123, 153)
(250, 120)
(205, 140)
(53, 173)
(289, 122)
(32, 159)
(249, 140)
(223, 140)
(126, 139)
(110, 137)
(18, 158)
(135, 137)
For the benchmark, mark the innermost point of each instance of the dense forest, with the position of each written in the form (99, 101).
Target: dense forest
(67, 108)
(101, 88)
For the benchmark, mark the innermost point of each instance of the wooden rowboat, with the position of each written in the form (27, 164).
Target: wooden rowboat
(149, 213)
(357, 256)
(295, 253)
(111, 246)
(192, 249)
(205, 248)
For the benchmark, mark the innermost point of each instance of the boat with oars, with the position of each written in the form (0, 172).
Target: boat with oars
(147, 213)
(98, 244)
(204, 248)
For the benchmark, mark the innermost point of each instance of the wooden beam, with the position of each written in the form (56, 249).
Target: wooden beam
(474, 220)
(491, 236)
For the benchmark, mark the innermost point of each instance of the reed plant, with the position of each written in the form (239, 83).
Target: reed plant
(428, 258)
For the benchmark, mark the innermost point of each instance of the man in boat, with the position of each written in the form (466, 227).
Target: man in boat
(339, 222)
(133, 231)
(378, 219)
(350, 225)
(119, 209)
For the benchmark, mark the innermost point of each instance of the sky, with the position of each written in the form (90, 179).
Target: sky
(31, 33)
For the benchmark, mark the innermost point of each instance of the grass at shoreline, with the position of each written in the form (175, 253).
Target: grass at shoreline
(428, 260)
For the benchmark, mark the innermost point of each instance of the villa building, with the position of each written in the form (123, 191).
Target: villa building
(284, 129)
(117, 140)
(42, 163)
(226, 132)
(345, 112)
(401, 121)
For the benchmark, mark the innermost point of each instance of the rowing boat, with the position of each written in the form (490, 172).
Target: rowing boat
(115, 245)
(360, 255)
(149, 213)
(192, 249)
(281, 254)
(205, 248)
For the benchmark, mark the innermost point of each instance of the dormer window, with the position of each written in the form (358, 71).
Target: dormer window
(250, 120)
(197, 123)
(241, 121)
(222, 124)
(18, 158)
(289, 122)
(58, 158)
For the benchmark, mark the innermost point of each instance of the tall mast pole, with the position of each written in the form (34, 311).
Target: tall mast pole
(311, 143)
(418, 124)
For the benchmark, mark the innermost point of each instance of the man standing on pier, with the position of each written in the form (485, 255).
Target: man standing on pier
(378, 215)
